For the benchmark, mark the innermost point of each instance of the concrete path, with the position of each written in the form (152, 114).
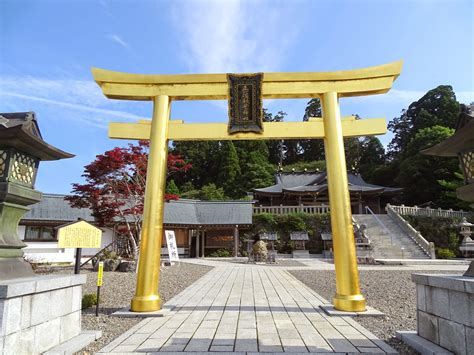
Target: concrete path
(247, 309)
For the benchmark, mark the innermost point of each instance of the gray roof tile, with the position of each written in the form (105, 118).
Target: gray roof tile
(191, 212)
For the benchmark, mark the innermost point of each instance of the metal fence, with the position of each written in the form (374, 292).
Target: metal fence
(320, 209)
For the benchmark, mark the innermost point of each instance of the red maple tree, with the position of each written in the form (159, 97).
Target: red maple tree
(114, 189)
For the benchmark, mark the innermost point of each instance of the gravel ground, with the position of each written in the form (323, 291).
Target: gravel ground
(117, 291)
(391, 292)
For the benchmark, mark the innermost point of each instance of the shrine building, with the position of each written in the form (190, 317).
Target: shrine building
(201, 227)
(311, 189)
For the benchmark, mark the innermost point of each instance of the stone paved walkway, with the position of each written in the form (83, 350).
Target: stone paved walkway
(247, 309)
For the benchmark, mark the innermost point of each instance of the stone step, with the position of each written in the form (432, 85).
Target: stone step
(75, 344)
(388, 241)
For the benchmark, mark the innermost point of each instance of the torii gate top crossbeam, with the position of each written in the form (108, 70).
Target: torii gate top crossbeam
(359, 82)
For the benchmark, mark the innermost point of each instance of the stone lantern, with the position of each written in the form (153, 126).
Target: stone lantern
(467, 245)
(21, 150)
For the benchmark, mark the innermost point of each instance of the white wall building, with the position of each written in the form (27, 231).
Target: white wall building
(38, 227)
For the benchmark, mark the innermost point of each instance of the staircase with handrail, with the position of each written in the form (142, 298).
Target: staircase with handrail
(388, 240)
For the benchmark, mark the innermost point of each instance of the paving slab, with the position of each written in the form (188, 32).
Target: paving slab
(247, 309)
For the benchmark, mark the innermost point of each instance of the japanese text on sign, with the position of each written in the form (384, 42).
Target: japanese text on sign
(172, 246)
(79, 235)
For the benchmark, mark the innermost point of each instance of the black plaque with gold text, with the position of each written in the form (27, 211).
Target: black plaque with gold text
(245, 103)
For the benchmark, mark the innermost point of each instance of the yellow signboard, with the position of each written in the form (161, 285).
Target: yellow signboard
(100, 273)
(79, 235)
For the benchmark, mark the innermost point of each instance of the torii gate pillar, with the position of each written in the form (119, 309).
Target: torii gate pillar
(329, 87)
(147, 297)
(348, 294)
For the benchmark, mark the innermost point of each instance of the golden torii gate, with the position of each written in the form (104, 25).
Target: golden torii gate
(327, 86)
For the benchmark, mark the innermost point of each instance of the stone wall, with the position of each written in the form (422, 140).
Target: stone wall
(445, 311)
(39, 313)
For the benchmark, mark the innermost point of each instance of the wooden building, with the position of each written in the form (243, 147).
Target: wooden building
(311, 189)
(201, 227)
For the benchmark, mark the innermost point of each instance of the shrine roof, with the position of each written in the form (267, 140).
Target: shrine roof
(20, 130)
(316, 182)
(208, 212)
(460, 141)
(53, 207)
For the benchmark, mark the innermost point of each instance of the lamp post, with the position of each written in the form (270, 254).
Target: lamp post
(21, 150)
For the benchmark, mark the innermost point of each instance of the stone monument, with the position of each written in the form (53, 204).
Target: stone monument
(37, 313)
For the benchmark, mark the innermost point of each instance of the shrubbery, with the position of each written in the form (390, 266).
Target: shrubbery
(220, 253)
(89, 300)
(443, 232)
(445, 253)
(314, 224)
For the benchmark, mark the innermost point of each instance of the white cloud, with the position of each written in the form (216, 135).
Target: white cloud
(233, 36)
(76, 100)
(117, 39)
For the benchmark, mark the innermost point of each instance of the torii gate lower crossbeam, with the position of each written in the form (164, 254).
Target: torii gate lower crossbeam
(161, 89)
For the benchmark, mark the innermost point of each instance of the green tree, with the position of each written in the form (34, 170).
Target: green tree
(257, 172)
(207, 192)
(312, 149)
(419, 174)
(426, 122)
(212, 192)
(438, 107)
(448, 195)
(256, 169)
(352, 148)
(372, 157)
(229, 175)
(204, 155)
(275, 147)
(171, 188)
(306, 166)
(313, 109)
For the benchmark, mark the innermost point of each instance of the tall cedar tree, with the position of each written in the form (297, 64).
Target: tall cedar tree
(229, 175)
(419, 173)
(425, 123)
(438, 107)
(254, 163)
(313, 149)
(115, 186)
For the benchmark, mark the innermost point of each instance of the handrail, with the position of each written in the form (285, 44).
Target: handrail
(430, 212)
(427, 247)
(381, 223)
(321, 209)
(99, 252)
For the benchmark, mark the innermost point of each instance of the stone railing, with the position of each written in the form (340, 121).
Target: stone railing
(321, 209)
(430, 212)
(427, 247)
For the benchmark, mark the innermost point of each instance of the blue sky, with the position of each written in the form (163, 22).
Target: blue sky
(48, 47)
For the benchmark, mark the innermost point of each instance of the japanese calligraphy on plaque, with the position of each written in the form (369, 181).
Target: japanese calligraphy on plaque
(79, 235)
(245, 103)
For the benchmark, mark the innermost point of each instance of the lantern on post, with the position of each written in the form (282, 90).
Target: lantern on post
(21, 150)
